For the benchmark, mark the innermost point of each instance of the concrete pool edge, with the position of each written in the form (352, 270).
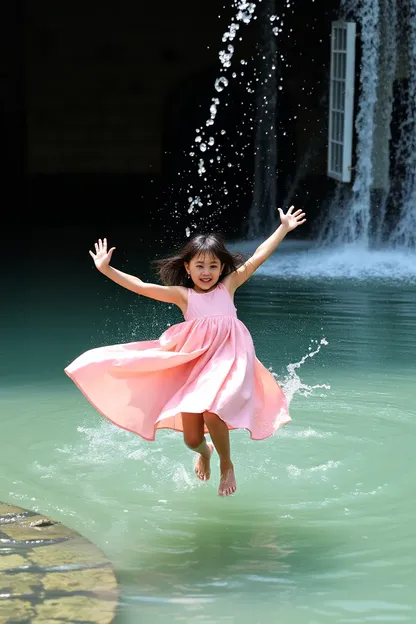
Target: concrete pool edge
(48, 570)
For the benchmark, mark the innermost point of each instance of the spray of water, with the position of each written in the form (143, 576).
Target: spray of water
(205, 142)
(292, 383)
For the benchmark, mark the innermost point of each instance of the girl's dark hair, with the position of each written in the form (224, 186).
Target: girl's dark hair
(172, 270)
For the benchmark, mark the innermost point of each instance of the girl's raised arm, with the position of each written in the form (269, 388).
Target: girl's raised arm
(289, 221)
(168, 294)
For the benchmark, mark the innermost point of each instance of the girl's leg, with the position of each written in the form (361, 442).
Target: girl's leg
(193, 435)
(220, 436)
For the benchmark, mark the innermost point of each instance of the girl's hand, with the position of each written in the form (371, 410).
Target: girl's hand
(291, 220)
(101, 256)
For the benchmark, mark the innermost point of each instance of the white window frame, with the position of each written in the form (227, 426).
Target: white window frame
(341, 100)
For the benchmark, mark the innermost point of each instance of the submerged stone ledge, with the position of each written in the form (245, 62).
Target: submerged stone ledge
(50, 572)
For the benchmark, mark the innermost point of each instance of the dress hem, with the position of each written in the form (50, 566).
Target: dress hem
(231, 428)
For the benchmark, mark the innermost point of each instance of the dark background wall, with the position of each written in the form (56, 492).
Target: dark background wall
(101, 102)
(98, 75)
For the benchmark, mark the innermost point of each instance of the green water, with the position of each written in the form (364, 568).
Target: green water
(322, 529)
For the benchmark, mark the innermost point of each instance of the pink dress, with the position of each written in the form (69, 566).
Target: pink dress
(206, 363)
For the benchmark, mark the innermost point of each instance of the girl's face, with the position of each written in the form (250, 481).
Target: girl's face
(205, 271)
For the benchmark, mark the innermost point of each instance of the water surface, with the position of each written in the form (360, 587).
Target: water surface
(322, 527)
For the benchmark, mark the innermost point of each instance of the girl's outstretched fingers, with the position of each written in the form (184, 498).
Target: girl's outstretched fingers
(101, 256)
(291, 220)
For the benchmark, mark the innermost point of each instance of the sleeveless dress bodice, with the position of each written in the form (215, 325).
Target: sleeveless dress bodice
(217, 302)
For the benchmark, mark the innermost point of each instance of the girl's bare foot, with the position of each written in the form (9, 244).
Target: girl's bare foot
(203, 465)
(227, 482)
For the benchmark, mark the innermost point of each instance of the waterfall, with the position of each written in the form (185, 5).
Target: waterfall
(348, 216)
(384, 113)
(404, 233)
(358, 220)
(363, 214)
(262, 217)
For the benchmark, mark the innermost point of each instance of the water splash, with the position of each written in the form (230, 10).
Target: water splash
(203, 144)
(292, 383)
(295, 472)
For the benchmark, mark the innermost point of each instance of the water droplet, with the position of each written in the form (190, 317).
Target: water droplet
(225, 57)
(221, 83)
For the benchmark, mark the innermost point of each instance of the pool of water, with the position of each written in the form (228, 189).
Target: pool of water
(322, 527)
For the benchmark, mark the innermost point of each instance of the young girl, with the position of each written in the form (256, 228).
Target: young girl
(202, 375)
